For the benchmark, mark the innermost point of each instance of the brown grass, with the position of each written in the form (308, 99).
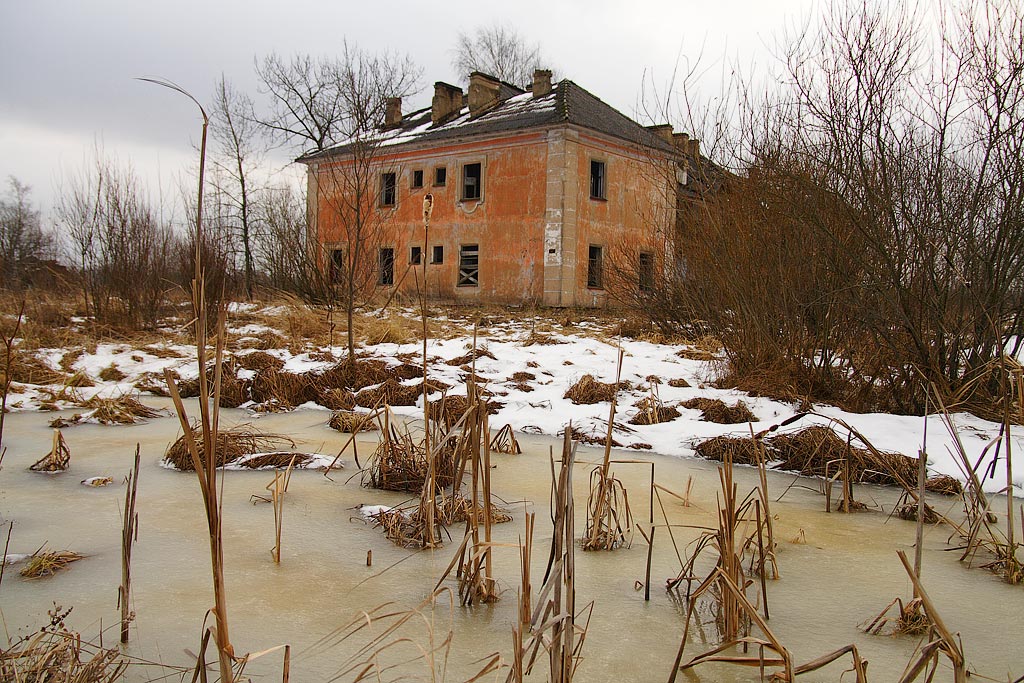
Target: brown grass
(125, 409)
(57, 460)
(286, 388)
(259, 361)
(112, 373)
(337, 399)
(944, 484)
(678, 383)
(27, 369)
(393, 329)
(154, 383)
(717, 411)
(651, 412)
(54, 653)
(475, 354)
(744, 451)
(393, 393)
(349, 421)
(809, 450)
(232, 444)
(44, 564)
(588, 391)
(161, 351)
(267, 339)
(400, 464)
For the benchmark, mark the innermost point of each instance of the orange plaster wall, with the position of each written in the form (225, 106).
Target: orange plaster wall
(635, 188)
(508, 224)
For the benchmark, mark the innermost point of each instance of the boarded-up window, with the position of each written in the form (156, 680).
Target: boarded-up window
(387, 266)
(469, 265)
(595, 278)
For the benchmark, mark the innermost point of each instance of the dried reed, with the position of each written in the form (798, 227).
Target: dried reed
(129, 535)
(58, 459)
(55, 653)
(230, 446)
(587, 390)
(352, 422)
(48, 563)
(717, 411)
(505, 441)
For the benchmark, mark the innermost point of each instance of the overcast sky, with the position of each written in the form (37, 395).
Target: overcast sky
(67, 66)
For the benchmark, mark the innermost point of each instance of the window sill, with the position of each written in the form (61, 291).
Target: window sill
(595, 289)
(599, 199)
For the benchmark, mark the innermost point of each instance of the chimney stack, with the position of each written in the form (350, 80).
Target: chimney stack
(541, 82)
(447, 102)
(484, 92)
(393, 113)
(663, 131)
(681, 142)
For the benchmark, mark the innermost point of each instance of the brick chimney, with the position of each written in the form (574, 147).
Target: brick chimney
(484, 93)
(681, 142)
(541, 82)
(393, 113)
(663, 131)
(446, 103)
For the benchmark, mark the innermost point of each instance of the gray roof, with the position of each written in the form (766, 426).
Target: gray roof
(567, 103)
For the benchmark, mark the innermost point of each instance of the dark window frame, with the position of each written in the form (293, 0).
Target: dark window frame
(417, 179)
(337, 264)
(386, 266)
(437, 254)
(645, 272)
(475, 194)
(388, 189)
(469, 266)
(595, 267)
(415, 255)
(598, 179)
(440, 176)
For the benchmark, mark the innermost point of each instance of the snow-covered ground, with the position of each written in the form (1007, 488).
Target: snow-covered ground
(558, 365)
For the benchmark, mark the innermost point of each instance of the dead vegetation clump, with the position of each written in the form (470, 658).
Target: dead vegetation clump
(678, 383)
(697, 353)
(162, 351)
(233, 391)
(740, 450)
(58, 459)
(448, 410)
(258, 361)
(473, 355)
(593, 437)
(810, 450)
(400, 464)
(944, 484)
(394, 393)
(123, 410)
(277, 460)
(154, 383)
(284, 387)
(263, 341)
(588, 391)
(112, 373)
(231, 445)
(351, 422)
(48, 563)
(58, 655)
(651, 412)
(28, 369)
(719, 412)
(393, 329)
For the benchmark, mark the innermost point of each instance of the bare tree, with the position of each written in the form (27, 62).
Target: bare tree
(21, 233)
(236, 156)
(336, 108)
(500, 51)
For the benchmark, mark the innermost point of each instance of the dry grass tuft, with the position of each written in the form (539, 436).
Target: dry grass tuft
(259, 361)
(944, 484)
(124, 410)
(393, 329)
(810, 450)
(232, 444)
(160, 351)
(28, 369)
(650, 411)
(287, 388)
(588, 391)
(744, 451)
(57, 460)
(350, 422)
(58, 655)
(154, 383)
(394, 393)
(277, 460)
(400, 464)
(714, 410)
(44, 564)
(112, 373)
(480, 352)
(337, 399)
(265, 340)
(678, 383)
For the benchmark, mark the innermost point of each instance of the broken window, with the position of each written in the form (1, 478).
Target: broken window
(597, 180)
(415, 255)
(388, 189)
(472, 182)
(386, 261)
(595, 279)
(437, 256)
(417, 179)
(337, 264)
(645, 272)
(440, 176)
(469, 265)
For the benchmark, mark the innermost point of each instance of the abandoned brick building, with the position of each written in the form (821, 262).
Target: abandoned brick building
(532, 192)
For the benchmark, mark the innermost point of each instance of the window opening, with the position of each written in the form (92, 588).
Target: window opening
(472, 182)
(597, 180)
(337, 264)
(387, 266)
(469, 265)
(417, 179)
(440, 176)
(594, 275)
(388, 189)
(646, 272)
(415, 255)
(437, 256)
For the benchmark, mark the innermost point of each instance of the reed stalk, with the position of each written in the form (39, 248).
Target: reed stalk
(129, 536)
